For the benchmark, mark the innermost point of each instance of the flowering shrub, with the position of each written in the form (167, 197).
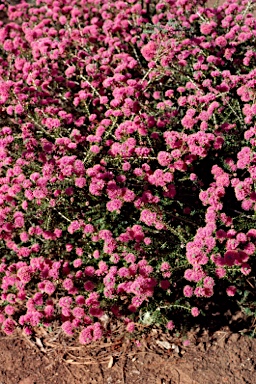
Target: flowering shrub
(127, 155)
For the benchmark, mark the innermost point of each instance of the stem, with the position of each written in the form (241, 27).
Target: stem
(173, 305)
(109, 132)
(94, 89)
(39, 126)
(247, 8)
(64, 217)
(176, 233)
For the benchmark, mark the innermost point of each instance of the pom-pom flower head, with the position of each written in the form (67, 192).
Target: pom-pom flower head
(149, 50)
(25, 274)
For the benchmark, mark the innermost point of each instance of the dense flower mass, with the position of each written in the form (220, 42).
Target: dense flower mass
(127, 158)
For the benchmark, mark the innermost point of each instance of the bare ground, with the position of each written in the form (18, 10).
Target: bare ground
(211, 358)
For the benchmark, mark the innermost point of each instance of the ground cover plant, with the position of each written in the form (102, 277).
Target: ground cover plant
(128, 163)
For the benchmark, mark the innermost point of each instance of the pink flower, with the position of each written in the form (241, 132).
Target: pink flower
(130, 258)
(67, 327)
(79, 251)
(58, 232)
(221, 41)
(27, 330)
(208, 282)
(35, 318)
(38, 298)
(132, 308)
(68, 284)
(241, 237)
(96, 311)
(24, 251)
(21, 295)
(195, 311)
(66, 312)
(8, 326)
(52, 123)
(220, 272)
(231, 290)
(164, 158)
(170, 325)
(188, 291)
(130, 327)
(65, 301)
(230, 258)
(165, 284)
(128, 195)
(89, 271)
(77, 263)
(70, 71)
(19, 109)
(147, 240)
(89, 228)
(206, 28)
(89, 286)
(78, 312)
(86, 336)
(9, 110)
(196, 257)
(126, 166)
(74, 226)
(251, 233)
(80, 182)
(165, 266)
(24, 237)
(49, 287)
(9, 310)
(92, 117)
(249, 248)
(245, 269)
(199, 291)
(79, 274)
(157, 95)
(115, 258)
(92, 299)
(148, 217)
(95, 149)
(123, 272)
(103, 100)
(25, 274)
(62, 20)
(49, 310)
(8, 45)
(105, 234)
(148, 51)
(80, 300)
(138, 172)
(69, 247)
(246, 204)
(69, 191)
(114, 205)
(76, 322)
(188, 122)
(11, 298)
(158, 178)
(97, 331)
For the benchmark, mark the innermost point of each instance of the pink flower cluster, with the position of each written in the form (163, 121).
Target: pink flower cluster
(135, 151)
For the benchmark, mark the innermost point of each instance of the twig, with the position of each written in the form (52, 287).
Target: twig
(64, 217)
(123, 363)
(93, 88)
(39, 126)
